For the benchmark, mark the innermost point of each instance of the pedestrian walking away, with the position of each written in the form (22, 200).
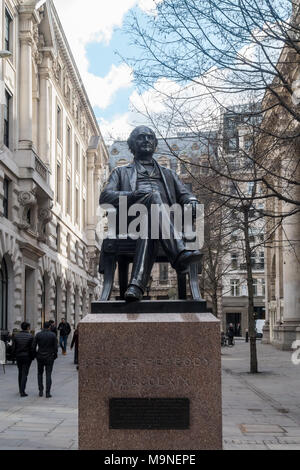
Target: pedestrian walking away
(230, 334)
(22, 349)
(53, 327)
(64, 330)
(45, 348)
(75, 345)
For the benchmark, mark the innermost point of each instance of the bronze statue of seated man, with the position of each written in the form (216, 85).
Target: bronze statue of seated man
(146, 182)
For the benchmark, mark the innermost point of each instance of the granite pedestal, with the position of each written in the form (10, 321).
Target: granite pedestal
(149, 381)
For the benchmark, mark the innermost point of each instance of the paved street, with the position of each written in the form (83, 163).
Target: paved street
(260, 412)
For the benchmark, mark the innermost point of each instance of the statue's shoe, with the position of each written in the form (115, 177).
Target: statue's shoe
(133, 293)
(186, 258)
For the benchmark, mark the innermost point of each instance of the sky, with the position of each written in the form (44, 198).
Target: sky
(94, 32)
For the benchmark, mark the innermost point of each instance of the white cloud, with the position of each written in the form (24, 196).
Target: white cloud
(94, 21)
(170, 108)
(102, 90)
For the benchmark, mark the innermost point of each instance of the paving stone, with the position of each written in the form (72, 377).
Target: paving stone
(261, 429)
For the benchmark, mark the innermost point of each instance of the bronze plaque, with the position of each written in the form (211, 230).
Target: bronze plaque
(149, 413)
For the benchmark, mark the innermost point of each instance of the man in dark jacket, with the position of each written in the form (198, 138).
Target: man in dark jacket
(64, 330)
(230, 334)
(45, 348)
(53, 327)
(22, 348)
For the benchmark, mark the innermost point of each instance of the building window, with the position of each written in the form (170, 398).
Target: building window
(83, 168)
(255, 287)
(263, 287)
(235, 287)
(6, 183)
(83, 214)
(77, 253)
(68, 246)
(69, 196)
(77, 207)
(234, 260)
(77, 166)
(58, 123)
(58, 238)
(163, 272)
(58, 183)
(8, 31)
(262, 259)
(69, 149)
(251, 188)
(7, 107)
(3, 295)
(253, 259)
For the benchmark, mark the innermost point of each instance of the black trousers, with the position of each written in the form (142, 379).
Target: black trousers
(146, 249)
(46, 364)
(23, 364)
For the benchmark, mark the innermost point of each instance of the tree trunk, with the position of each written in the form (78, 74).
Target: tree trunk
(214, 301)
(251, 315)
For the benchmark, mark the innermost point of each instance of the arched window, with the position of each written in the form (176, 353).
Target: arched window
(3, 296)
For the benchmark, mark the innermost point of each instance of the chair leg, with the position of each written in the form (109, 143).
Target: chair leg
(194, 282)
(123, 276)
(181, 281)
(109, 274)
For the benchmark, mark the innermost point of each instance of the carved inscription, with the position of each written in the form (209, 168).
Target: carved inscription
(127, 374)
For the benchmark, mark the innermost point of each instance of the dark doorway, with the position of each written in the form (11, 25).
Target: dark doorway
(235, 319)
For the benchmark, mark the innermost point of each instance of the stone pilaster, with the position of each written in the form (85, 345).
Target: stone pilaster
(44, 109)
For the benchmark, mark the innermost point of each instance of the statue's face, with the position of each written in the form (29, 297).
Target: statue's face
(145, 143)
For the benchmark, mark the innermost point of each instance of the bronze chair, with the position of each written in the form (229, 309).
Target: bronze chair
(121, 252)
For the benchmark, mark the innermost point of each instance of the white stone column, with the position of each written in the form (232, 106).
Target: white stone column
(291, 268)
(44, 135)
(90, 190)
(25, 90)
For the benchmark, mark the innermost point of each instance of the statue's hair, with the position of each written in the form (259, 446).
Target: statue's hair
(135, 133)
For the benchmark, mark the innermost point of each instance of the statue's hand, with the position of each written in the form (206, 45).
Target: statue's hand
(136, 195)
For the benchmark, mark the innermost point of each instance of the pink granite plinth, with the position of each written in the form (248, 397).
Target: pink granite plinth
(150, 356)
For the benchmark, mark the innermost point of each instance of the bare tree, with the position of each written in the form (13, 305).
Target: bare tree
(238, 56)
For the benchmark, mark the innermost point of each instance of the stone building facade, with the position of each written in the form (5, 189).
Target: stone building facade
(283, 252)
(235, 136)
(53, 163)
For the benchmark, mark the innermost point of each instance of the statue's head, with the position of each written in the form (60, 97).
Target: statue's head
(142, 141)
